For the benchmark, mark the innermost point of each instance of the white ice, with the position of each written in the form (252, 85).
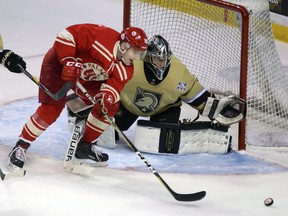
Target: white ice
(236, 184)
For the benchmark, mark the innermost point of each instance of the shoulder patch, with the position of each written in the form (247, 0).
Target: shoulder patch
(181, 86)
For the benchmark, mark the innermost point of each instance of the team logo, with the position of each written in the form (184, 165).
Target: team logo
(93, 72)
(147, 101)
(181, 86)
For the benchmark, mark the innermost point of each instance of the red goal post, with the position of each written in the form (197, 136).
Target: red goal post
(229, 46)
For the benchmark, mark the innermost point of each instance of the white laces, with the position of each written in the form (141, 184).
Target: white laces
(97, 152)
(20, 153)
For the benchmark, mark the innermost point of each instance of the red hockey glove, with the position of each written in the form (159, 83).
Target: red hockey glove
(71, 69)
(105, 104)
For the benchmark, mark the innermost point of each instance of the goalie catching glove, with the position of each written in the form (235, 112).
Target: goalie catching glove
(225, 111)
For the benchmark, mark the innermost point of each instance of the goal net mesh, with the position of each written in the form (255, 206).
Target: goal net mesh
(207, 38)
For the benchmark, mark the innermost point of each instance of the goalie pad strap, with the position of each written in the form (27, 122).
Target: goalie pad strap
(198, 125)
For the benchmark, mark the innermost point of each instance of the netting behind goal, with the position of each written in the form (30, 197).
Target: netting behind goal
(229, 53)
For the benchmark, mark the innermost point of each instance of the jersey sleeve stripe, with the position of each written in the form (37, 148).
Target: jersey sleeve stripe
(112, 90)
(65, 37)
(123, 71)
(120, 72)
(196, 96)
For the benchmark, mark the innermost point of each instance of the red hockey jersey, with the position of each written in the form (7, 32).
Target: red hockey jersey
(96, 46)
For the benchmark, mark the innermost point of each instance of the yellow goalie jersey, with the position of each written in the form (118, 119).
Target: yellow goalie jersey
(144, 99)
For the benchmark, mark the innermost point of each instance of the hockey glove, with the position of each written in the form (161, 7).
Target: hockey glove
(71, 69)
(225, 111)
(11, 61)
(107, 103)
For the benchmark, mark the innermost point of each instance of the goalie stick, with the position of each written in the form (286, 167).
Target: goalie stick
(180, 197)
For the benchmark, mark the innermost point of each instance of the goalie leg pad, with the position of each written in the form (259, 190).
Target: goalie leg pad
(197, 137)
(107, 138)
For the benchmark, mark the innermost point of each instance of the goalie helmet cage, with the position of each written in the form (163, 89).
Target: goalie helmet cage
(230, 47)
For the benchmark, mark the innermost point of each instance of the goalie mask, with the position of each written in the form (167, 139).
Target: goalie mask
(158, 55)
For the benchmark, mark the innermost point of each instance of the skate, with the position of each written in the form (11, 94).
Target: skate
(87, 154)
(17, 156)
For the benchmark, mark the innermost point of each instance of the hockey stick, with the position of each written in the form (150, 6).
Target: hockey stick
(58, 95)
(180, 197)
(63, 91)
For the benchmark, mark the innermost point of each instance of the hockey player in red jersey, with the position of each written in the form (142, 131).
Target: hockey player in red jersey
(98, 57)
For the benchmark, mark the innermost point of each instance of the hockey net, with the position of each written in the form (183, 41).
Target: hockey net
(230, 47)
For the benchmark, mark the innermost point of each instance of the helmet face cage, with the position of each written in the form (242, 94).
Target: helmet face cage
(158, 51)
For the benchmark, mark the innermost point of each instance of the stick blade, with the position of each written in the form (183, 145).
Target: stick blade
(190, 197)
(63, 91)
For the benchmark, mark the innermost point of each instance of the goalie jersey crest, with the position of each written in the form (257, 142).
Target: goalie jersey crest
(147, 101)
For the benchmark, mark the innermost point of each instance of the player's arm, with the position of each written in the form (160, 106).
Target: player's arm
(65, 46)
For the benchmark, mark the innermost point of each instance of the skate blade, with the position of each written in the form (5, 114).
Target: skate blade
(12, 175)
(87, 163)
(82, 168)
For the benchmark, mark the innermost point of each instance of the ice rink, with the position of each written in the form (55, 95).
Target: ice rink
(236, 183)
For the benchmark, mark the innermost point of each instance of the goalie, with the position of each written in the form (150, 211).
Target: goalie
(159, 85)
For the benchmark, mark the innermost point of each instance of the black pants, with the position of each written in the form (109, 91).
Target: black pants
(124, 119)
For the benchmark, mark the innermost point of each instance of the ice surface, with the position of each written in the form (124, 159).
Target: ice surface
(236, 184)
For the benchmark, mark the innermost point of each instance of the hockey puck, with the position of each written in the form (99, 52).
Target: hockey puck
(268, 201)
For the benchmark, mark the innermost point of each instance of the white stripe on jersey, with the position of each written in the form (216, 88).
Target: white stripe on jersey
(104, 49)
(102, 53)
(65, 37)
(196, 96)
(122, 71)
(108, 55)
(109, 88)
